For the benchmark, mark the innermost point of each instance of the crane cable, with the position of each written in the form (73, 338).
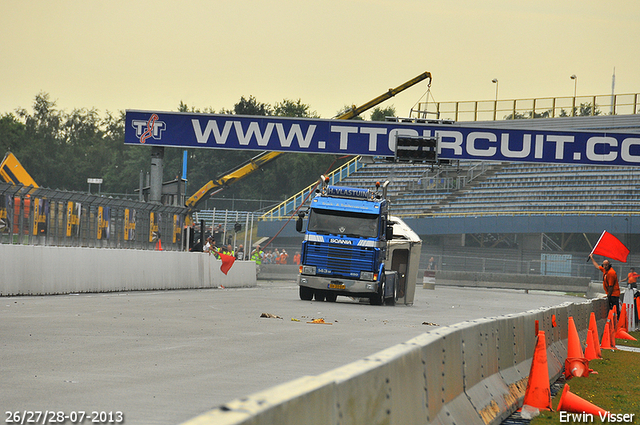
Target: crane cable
(426, 97)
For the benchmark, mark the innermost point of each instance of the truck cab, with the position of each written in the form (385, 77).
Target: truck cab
(348, 248)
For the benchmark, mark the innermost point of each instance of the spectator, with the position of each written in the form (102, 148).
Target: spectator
(283, 258)
(632, 278)
(240, 253)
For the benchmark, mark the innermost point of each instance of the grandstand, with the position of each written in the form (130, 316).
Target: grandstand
(418, 190)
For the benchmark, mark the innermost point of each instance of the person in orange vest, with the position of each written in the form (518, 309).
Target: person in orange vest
(632, 278)
(609, 283)
(283, 257)
(296, 258)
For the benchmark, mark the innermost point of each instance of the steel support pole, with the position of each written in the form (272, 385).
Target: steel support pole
(155, 187)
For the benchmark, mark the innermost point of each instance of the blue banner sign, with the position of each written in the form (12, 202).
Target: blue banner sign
(188, 130)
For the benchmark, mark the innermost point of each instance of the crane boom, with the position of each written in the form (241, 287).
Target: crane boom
(11, 171)
(260, 160)
(241, 171)
(355, 111)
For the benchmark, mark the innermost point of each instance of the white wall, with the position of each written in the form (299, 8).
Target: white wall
(40, 270)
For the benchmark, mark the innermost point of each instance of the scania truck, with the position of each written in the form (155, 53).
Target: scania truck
(353, 247)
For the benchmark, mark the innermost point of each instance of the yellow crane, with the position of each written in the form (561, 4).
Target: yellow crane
(258, 161)
(11, 171)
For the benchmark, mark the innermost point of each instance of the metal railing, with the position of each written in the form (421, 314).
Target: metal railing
(284, 209)
(40, 216)
(545, 107)
(518, 213)
(229, 227)
(441, 181)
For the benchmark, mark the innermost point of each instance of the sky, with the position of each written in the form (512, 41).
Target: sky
(151, 55)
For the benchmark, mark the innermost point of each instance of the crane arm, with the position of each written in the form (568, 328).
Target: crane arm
(11, 171)
(354, 112)
(240, 172)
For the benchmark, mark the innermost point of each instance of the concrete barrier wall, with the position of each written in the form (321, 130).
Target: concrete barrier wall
(42, 270)
(513, 281)
(472, 373)
(278, 272)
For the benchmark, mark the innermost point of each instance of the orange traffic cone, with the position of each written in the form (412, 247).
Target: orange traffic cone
(622, 323)
(575, 364)
(590, 352)
(570, 402)
(574, 348)
(606, 338)
(611, 319)
(622, 334)
(538, 393)
(159, 245)
(596, 338)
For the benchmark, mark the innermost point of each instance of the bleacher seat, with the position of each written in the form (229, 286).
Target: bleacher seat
(418, 189)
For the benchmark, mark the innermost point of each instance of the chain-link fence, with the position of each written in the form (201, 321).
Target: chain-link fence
(39, 216)
(569, 264)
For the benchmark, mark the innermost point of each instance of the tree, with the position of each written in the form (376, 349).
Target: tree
(528, 115)
(379, 113)
(12, 133)
(584, 110)
(291, 108)
(41, 149)
(252, 107)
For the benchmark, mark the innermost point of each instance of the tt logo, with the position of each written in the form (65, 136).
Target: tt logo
(146, 129)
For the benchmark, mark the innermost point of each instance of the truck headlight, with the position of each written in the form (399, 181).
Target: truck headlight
(366, 275)
(309, 270)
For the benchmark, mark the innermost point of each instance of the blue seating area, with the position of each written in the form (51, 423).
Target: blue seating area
(507, 188)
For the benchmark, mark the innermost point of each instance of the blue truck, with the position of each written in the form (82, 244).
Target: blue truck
(353, 247)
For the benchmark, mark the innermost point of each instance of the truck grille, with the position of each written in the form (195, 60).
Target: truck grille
(341, 260)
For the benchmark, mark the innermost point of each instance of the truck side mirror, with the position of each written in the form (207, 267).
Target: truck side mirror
(299, 222)
(389, 233)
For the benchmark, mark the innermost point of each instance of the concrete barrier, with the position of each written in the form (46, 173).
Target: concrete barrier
(513, 281)
(44, 270)
(471, 373)
(278, 272)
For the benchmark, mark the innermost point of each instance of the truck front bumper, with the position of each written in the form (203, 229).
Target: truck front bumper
(345, 286)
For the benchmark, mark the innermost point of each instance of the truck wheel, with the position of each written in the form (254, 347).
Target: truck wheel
(319, 295)
(392, 300)
(306, 294)
(330, 297)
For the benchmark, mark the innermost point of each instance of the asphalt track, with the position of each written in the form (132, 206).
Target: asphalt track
(165, 357)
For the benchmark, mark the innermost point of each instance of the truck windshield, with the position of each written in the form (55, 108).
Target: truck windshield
(343, 223)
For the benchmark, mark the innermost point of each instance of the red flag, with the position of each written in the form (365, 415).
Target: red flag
(609, 246)
(227, 262)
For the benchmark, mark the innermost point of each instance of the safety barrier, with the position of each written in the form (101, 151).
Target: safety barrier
(472, 373)
(42, 270)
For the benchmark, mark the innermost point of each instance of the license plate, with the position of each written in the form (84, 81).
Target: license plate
(337, 286)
